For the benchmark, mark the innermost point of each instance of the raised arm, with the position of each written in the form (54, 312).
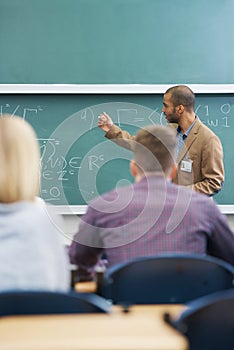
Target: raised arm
(115, 133)
(105, 122)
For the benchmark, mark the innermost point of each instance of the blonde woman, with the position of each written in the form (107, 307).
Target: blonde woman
(32, 256)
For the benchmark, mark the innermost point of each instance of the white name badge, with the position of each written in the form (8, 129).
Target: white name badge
(186, 165)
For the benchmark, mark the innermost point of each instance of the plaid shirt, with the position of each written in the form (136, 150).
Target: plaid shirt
(150, 217)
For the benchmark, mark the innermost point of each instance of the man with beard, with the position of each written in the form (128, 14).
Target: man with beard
(199, 155)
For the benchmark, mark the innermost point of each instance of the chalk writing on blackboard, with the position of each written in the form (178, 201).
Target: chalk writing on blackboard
(25, 112)
(77, 161)
(222, 121)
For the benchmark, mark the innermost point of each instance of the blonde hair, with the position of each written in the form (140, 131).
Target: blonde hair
(19, 160)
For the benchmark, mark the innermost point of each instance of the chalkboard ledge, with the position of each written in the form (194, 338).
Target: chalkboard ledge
(81, 209)
(108, 88)
(70, 209)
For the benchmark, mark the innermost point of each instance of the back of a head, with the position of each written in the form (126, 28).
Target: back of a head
(19, 160)
(154, 149)
(182, 95)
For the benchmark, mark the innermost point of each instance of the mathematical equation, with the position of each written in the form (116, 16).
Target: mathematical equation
(224, 112)
(58, 169)
(26, 113)
(61, 170)
(224, 115)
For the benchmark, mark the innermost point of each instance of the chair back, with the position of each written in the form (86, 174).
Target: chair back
(39, 303)
(208, 323)
(168, 278)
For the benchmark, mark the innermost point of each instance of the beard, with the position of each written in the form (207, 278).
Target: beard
(172, 117)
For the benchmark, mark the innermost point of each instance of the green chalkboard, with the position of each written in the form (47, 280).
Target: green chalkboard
(116, 41)
(78, 162)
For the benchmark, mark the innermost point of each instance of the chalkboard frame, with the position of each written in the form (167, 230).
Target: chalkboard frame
(110, 89)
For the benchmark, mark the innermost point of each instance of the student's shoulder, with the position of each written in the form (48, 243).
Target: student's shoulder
(193, 197)
(206, 204)
(48, 216)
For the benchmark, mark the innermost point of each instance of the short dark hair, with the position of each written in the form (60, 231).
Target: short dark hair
(154, 148)
(182, 95)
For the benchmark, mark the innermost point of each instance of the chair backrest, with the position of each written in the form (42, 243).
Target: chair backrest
(208, 323)
(39, 303)
(168, 278)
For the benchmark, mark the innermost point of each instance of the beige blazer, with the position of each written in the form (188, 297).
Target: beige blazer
(200, 162)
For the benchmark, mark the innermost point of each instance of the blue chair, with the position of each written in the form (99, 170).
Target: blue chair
(167, 278)
(208, 323)
(40, 303)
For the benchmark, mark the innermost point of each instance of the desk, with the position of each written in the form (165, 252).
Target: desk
(86, 287)
(141, 328)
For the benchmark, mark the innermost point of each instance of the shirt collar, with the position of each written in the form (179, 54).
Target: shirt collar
(188, 130)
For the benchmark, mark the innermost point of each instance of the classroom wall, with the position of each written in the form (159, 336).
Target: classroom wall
(109, 42)
(117, 41)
